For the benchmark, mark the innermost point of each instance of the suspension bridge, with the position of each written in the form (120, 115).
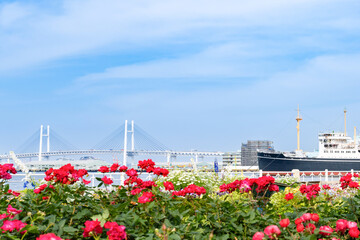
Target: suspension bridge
(129, 140)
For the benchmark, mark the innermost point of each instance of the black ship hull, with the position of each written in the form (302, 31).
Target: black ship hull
(279, 162)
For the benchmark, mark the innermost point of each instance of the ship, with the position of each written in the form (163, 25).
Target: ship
(337, 152)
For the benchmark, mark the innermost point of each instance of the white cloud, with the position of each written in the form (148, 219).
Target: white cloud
(221, 61)
(39, 35)
(12, 13)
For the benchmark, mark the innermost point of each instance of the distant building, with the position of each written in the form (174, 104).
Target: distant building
(249, 151)
(232, 159)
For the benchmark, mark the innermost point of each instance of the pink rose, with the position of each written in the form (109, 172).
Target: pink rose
(272, 230)
(341, 225)
(325, 230)
(48, 236)
(258, 236)
(351, 224)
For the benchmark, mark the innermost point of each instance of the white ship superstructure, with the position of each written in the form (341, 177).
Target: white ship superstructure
(337, 145)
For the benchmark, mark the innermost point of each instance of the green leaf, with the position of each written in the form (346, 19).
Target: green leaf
(313, 237)
(167, 223)
(174, 236)
(69, 229)
(96, 217)
(60, 226)
(105, 214)
(81, 214)
(30, 228)
(51, 218)
(99, 218)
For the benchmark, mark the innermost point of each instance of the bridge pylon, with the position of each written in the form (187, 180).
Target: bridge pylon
(126, 139)
(41, 140)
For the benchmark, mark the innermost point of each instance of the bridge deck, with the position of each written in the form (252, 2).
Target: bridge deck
(110, 151)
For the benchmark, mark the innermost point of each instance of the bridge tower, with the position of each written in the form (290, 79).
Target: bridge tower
(41, 140)
(126, 139)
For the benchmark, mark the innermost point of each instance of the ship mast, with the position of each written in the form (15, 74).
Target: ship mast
(355, 135)
(298, 119)
(345, 121)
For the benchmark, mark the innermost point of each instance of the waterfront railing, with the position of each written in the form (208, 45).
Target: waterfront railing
(21, 180)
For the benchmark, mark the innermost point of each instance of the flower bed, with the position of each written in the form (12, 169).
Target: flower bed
(65, 207)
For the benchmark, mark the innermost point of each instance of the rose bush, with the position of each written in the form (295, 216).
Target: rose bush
(63, 206)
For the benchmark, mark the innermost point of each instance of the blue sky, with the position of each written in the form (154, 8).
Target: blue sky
(206, 75)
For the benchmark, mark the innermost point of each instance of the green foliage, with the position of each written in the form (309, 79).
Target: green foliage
(288, 180)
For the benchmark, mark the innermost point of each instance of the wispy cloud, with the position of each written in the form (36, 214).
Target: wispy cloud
(34, 34)
(222, 61)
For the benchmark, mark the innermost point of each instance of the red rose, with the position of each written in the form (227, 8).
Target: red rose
(289, 196)
(146, 197)
(104, 169)
(161, 171)
(107, 180)
(37, 190)
(274, 188)
(341, 225)
(315, 217)
(92, 226)
(168, 186)
(310, 228)
(354, 232)
(135, 191)
(116, 232)
(114, 167)
(123, 168)
(298, 221)
(146, 164)
(284, 222)
(15, 193)
(300, 227)
(132, 173)
(12, 210)
(353, 185)
(86, 182)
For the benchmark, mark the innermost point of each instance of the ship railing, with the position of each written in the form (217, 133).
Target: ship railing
(310, 176)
